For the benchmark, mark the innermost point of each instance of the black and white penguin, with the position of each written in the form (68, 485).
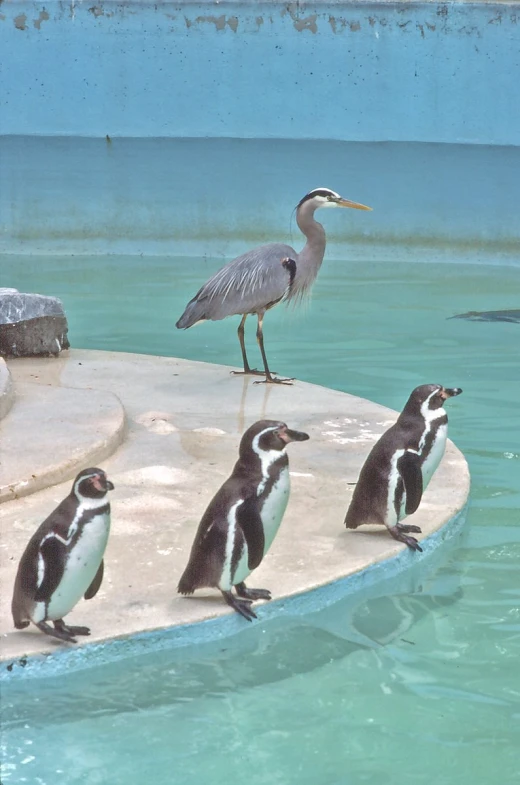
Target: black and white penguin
(401, 464)
(64, 558)
(242, 519)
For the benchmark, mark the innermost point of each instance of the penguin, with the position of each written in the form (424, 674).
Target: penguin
(63, 560)
(401, 464)
(242, 519)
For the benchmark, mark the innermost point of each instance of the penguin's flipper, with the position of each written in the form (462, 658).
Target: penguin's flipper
(409, 467)
(96, 583)
(249, 520)
(52, 553)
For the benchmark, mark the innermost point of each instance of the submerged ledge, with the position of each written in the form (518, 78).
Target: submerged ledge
(184, 422)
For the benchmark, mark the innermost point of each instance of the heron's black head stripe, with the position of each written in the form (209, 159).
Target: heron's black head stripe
(325, 192)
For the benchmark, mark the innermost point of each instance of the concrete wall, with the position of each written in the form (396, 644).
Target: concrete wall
(439, 72)
(143, 79)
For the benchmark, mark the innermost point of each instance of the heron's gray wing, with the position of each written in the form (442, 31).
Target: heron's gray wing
(253, 281)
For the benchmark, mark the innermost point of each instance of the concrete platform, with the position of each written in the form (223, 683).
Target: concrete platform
(6, 389)
(51, 433)
(184, 422)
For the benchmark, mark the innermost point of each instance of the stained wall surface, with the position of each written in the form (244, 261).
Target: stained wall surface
(332, 93)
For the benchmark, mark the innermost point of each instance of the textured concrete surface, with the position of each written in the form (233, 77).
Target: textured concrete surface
(53, 432)
(185, 420)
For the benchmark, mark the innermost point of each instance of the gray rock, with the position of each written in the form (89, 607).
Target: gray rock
(31, 324)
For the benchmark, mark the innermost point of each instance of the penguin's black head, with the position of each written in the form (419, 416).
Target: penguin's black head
(266, 435)
(92, 484)
(429, 397)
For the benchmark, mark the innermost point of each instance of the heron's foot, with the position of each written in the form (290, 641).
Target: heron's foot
(252, 594)
(248, 372)
(274, 380)
(243, 607)
(56, 633)
(408, 529)
(399, 535)
(60, 625)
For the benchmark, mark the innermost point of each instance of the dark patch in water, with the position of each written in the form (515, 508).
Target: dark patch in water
(489, 316)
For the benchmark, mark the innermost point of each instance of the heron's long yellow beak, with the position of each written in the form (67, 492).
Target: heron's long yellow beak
(347, 203)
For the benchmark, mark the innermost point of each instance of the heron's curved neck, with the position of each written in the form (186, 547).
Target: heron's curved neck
(311, 257)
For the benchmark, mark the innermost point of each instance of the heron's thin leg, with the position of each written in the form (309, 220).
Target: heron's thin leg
(269, 379)
(247, 369)
(241, 330)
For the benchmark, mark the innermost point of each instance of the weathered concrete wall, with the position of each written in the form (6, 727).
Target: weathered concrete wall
(441, 72)
(205, 119)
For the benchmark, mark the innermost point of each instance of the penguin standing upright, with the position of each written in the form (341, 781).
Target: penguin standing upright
(243, 517)
(64, 558)
(401, 464)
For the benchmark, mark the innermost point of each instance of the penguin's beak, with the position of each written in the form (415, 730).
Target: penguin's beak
(102, 483)
(450, 392)
(289, 435)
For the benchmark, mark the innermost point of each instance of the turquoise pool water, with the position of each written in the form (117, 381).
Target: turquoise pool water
(295, 701)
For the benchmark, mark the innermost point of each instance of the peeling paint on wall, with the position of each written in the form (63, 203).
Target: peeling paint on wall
(307, 23)
(44, 16)
(383, 15)
(20, 22)
(220, 22)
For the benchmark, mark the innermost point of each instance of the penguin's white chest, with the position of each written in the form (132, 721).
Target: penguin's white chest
(274, 507)
(435, 455)
(81, 567)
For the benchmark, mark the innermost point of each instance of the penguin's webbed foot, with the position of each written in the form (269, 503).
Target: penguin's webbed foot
(243, 607)
(252, 594)
(399, 535)
(60, 625)
(62, 635)
(408, 528)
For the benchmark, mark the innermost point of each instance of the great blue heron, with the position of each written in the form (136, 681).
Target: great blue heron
(263, 277)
